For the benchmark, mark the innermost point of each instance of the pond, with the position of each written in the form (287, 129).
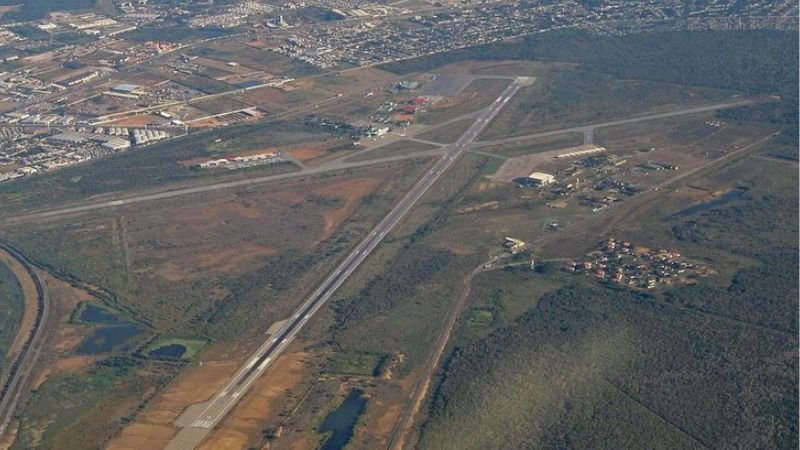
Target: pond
(109, 338)
(729, 197)
(342, 421)
(168, 351)
(96, 314)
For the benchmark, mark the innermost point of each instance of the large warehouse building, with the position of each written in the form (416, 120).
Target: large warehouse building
(541, 179)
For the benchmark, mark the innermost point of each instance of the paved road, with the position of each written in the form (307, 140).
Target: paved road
(23, 364)
(340, 164)
(223, 401)
(588, 130)
(334, 166)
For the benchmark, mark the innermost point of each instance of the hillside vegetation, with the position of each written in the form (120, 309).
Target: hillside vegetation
(11, 305)
(749, 61)
(707, 366)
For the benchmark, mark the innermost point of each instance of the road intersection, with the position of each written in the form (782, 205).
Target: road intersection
(339, 165)
(216, 409)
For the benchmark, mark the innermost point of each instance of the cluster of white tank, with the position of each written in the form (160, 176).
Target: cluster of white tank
(141, 137)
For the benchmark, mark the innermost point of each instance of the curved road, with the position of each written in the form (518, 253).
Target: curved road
(23, 363)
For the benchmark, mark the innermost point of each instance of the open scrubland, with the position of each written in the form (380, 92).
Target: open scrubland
(13, 305)
(218, 268)
(537, 358)
(584, 356)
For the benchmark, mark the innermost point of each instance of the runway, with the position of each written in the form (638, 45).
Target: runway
(340, 165)
(216, 409)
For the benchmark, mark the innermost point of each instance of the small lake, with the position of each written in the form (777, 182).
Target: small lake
(343, 420)
(109, 338)
(733, 195)
(168, 351)
(96, 314)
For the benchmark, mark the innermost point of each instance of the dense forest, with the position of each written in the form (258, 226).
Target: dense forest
(591, 367)
(707, 366)
(384, 291)
(756, 62)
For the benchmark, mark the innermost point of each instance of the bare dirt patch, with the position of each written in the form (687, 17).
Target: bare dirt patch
(218, 261)
(480, 187)
(137, 121)
(460, 249)
(153, 426)
(305, 154)
(71, 365)
(205, 123)
(141, 435)
(264, 95)
(494, 204)
(352, 192)
(243, 427)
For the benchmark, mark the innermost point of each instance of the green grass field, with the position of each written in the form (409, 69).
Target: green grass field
(355, 363)
(479, 317)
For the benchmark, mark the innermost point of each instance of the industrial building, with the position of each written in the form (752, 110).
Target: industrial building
(142, 137)
(125, 88)
(69, 138)
(541, 179)
(116, 144)
(513, 245)
(238, 162)
(580, 150)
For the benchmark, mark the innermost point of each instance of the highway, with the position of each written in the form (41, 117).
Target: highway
(23, 363)
(269, 351)
(339, 164)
